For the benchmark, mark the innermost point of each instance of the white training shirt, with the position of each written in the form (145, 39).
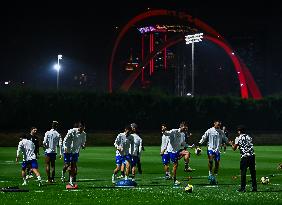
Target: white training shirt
(214, 137)
(51, 141)
(27, 148)
(176, 140)
(74, 140)
(164, 145)
(123, 143)
(136, 146)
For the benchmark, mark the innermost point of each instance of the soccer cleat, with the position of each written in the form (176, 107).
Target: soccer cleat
(133, 179)
(71, 184)
(113, 179)
(40, 183)
(24, 183)
(120, 177)
(188, 169)
(176, 183)
(167, 177)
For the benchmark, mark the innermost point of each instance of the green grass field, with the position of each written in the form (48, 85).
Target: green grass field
(97, 163)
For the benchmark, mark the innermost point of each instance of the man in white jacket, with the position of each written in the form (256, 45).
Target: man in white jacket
(50, 143)
(214, 137)
(27, 147)
(73, 142)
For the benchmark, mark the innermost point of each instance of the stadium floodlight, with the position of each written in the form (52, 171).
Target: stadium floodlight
(191, 39)
(57, 67)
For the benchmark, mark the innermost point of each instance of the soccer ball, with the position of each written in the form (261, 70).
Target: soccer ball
(198, 151)
(188, 188)
(264, 180)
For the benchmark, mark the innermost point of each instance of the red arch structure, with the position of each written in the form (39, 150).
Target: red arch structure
(245, 78)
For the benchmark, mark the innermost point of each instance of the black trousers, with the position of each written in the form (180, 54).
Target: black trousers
(248, 162)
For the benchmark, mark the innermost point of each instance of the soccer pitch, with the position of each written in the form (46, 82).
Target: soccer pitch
(95, 169)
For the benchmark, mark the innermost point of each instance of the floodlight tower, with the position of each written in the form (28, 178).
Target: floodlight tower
(193, 39)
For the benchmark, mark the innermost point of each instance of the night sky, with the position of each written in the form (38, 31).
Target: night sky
(32, 35)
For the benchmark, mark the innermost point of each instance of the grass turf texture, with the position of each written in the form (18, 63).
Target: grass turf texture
(96, 165)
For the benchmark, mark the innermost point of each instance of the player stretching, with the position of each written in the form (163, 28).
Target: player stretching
(122, 145)
(215, 137)
(50, 143)
(74, 140)
(29, 158)
(176, 141)
(164, 152)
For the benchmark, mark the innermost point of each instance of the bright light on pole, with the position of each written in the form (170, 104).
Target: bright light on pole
(57, 67)
(193, 39)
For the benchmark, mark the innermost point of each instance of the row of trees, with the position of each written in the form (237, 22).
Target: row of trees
(21, 109)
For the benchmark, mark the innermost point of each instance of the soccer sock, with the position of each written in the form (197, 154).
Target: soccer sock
(24, 179)
(186, 165)
(174, 179)
(122, 173)
(39, 178)
(71, 179)
(126, 177)
(167, 173)
(210, 173)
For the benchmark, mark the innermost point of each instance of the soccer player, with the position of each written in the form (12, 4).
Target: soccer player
(34, 138)
(73, 142)
(177, 141)
(244, 143)
(135, 151)
(225, 131)
(134, 129)
(164, 152)
(122, 145)
(50, 143)
(215, 137)
(26, 147)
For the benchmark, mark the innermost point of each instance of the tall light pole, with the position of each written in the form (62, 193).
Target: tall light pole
(193, 39)
(57, 68)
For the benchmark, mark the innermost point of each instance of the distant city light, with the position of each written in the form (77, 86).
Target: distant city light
(7, 82)
(233, 53)
(189, 94)
(194, 38)
(60, 57)
(242, 84)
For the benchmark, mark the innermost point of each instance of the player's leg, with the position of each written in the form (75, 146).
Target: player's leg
(186, 155)
(224, 147)
(210, 162)
(52, 162)
(34, 168)
(72, 173)
(67, 161)
(47, 166)
(243, 170)
(24, 166)
(174, 158)
(165, 161)
(133, 166)
(217, 162)
(118, 167)
(127, 166)
(252, 167)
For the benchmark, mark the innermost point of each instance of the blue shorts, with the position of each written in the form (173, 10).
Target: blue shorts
(174, 156)
(120, 160)
(30, 163)
(51, 155)
(165, 159)
(71, 157)
(216, 154)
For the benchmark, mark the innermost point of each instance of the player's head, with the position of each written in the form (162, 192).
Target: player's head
(241, 129)
(55, 124)
(183, 126)
(133, 127)
(217, 124)
(127, 129)
(80, 126)
(33, 130)
(163, 126)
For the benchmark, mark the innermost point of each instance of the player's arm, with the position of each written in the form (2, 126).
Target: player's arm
(18, 152)
(140, 145)
(234, 145)
(67, 141)
(204, 138)
(45, 141)
(83, 144)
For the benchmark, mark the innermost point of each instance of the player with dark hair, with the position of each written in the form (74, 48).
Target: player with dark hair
(244, 143)
(73, 142)
(50, 143)
(214, 136)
